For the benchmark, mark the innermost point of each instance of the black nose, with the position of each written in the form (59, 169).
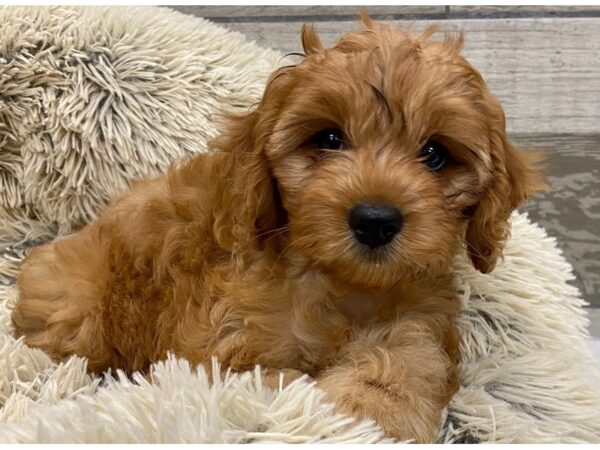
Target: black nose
(375, 225)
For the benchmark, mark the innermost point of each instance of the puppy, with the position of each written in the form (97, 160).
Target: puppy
(316, 237)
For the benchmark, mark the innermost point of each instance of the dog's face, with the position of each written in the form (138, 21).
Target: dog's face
(388, 153)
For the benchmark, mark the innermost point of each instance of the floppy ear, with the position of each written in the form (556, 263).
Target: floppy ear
(250, 202)
(515, 175)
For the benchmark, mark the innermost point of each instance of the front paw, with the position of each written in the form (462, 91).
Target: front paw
(407, 405)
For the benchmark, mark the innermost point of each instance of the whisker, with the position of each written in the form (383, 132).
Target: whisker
(275, 232)
(284, 251)
(472, 252)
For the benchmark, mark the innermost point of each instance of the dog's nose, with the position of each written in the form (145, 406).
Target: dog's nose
(375, 225)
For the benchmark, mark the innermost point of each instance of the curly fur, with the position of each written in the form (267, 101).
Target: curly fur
(244, 252)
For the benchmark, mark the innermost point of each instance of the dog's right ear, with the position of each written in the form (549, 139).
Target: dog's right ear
(250, 205)
(311, 42)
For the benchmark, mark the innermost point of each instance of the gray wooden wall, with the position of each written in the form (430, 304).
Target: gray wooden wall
(542, 62)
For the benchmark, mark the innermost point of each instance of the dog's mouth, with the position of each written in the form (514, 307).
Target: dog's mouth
(360, 265)
(379, 256)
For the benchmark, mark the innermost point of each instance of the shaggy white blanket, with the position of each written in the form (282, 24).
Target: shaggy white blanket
(90, 97)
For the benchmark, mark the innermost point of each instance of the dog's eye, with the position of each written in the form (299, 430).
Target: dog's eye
(330, 139)
(434, 155)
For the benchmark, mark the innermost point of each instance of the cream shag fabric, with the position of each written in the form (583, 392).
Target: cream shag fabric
(91, 97)
(88, 95)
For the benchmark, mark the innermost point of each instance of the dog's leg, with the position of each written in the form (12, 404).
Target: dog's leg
(59, 309)
(400, 375)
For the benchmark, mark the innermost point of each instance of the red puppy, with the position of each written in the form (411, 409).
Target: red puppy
(317, 235)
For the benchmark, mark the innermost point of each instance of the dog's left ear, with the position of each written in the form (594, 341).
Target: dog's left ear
(250, 203)
(515, 174)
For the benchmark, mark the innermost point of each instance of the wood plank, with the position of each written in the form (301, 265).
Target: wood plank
(545, 71)
(488, 11)
(571, 210)
(223, 13)
(328, 12)
(309, 12)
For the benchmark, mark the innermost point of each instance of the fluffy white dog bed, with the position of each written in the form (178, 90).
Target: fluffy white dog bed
(91, 97)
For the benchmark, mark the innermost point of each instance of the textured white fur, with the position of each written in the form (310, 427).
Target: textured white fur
(180, 405)
(526, 373)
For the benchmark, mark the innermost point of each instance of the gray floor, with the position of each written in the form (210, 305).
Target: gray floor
(544, 65)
